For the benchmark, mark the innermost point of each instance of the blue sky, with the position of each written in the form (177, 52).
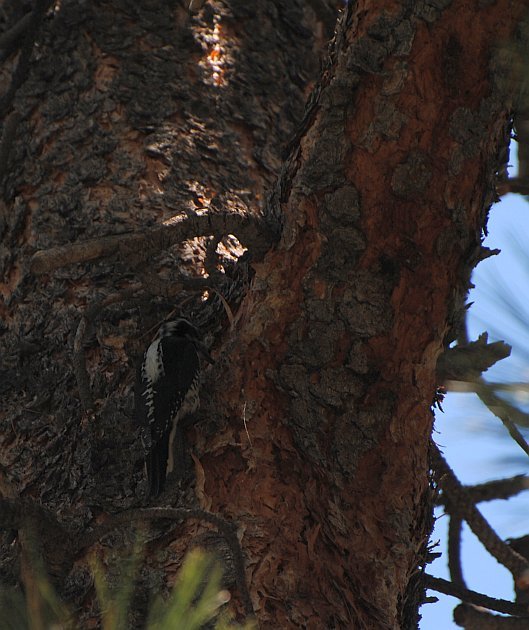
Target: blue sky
(474, 442)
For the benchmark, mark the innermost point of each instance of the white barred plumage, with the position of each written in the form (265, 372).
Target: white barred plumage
(167, 389)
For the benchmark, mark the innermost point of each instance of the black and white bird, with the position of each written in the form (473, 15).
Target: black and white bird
(167, 389)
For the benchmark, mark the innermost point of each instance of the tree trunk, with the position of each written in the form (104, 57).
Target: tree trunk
(316, 418)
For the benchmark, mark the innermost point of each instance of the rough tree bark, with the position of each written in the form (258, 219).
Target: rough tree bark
(314, 431)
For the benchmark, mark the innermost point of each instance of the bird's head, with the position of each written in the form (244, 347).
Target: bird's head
(184, 329)
(179, 328)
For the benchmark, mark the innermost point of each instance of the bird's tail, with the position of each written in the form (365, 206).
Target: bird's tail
(156, 463)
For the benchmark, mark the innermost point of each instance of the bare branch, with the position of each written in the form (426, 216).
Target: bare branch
(514, 185)
(461, 504)
(45, 539)
(468, 362)
(472, 618)
(492, 490)
(454, 551)
(500, 605)
(253, 232)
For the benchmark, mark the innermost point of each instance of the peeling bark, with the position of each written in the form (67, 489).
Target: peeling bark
(384, 201)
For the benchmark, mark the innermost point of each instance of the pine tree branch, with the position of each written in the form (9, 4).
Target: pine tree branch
(493, 490)
(462, 505)
(473, 597)
(471, 618)
(516, 185)
(467, 362)
(454, 551)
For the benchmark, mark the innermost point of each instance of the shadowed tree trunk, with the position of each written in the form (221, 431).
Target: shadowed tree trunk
(314, 429)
